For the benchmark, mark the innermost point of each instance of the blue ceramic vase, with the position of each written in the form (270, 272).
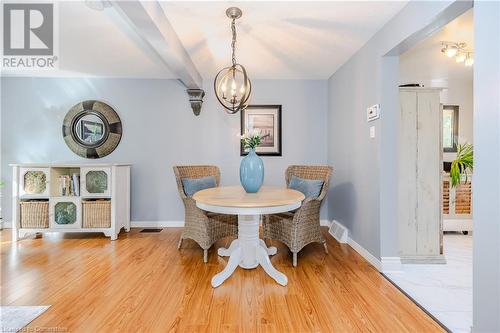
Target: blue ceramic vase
(251, 172)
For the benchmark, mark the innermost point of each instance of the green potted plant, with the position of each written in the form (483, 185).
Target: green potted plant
(462, 165)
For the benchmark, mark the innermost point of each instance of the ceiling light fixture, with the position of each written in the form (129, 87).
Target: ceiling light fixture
(457, 50)
(460, 57)
(469, 60)
(232, 85)
(451, 51)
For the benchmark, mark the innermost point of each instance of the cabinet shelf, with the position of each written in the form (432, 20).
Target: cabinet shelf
(108, 182)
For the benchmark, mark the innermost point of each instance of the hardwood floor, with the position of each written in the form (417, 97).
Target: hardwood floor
(142, 283)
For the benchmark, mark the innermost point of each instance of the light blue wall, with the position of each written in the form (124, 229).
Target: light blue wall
(486, 198)
(159, 130)
(364, 194)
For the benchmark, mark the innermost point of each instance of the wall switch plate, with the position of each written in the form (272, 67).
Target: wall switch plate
(372, 132)
(373, 112)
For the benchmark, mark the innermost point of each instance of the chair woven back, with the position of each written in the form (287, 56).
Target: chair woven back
(194, 171)
(316, 172)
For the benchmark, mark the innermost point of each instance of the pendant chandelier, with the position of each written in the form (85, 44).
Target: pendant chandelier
(232, 85)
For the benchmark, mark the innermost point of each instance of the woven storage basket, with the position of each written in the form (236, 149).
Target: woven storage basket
(34, 214)
(96, 214)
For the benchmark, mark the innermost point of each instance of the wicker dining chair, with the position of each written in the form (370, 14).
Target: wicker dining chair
(301, 227)
(203, 227)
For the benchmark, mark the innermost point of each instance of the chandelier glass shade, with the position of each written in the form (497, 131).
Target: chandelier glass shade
(232, 85)
(460, 57)
(469, 61)
(451, 51)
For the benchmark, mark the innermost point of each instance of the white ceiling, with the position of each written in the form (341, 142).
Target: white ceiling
(276, 40)
(426, 64)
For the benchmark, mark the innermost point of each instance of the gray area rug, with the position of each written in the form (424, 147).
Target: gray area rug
(13, 318)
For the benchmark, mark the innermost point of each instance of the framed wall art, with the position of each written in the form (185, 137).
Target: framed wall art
(266, 119)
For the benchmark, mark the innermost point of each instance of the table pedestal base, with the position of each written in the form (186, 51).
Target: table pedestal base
(248, 252)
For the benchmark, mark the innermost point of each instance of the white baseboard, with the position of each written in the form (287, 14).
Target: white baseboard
(325, 223)
(156, 224)
(391, 264)
(374, 261)
(386, 264)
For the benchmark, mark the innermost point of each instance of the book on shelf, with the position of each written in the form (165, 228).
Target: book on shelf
(69, 185)
(76, 184)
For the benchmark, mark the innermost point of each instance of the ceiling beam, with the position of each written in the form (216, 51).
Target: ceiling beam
(151, 24)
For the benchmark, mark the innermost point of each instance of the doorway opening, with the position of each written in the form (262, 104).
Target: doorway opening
(435, 220)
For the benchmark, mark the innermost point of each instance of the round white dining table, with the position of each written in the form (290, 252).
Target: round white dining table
(248, 250)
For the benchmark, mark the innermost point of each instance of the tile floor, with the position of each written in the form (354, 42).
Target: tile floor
(443, 290)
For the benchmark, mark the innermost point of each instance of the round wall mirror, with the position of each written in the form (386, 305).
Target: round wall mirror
(92, 129)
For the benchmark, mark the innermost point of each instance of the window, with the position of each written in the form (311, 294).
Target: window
(450, 128)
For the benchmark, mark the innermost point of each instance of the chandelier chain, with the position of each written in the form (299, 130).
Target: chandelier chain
(231, 84)
(233, 42)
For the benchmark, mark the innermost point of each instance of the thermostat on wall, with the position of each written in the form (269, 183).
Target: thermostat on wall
(373, 112)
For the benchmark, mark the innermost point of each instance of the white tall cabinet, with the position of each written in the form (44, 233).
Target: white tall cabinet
(420, 171)
(100, 203)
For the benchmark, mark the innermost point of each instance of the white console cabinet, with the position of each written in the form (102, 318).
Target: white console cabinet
(97, 201)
